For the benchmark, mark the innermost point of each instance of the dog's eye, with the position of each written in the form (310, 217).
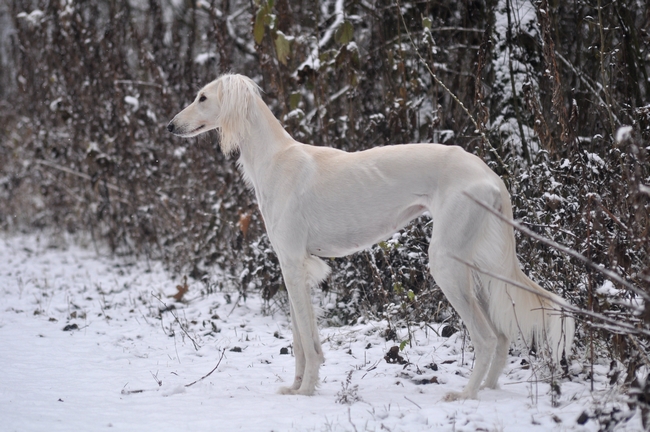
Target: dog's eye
(202, 98)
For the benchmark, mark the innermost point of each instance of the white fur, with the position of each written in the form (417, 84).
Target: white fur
(323, 202)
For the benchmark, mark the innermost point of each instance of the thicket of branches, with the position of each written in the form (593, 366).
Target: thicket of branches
(554, 97)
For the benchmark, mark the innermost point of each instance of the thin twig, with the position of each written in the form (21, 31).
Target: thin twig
(234, 306)
(167, 308)
(130, 392)
(608, 96)
(584, 80)
(139, 83)
(458, 29)
(74, 173)
(412, 402)
(615, 277)
(617, 325)
(350, 420)
(515, 99)
(223, 353)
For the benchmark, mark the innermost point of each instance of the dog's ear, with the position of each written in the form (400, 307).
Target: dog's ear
(236, 94)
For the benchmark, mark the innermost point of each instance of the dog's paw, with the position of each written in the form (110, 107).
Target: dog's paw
(452, 396)
(455, 396)
(286, 390)
(293, 391)
(494, 386)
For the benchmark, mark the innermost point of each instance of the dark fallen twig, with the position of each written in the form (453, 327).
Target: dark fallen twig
(615, 277)
(223, 353)
(171, 310)
(129, 392)
(412, 402)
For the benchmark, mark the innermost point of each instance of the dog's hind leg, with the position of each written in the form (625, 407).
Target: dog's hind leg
(458, 234)
(455, 280)
(498, 362)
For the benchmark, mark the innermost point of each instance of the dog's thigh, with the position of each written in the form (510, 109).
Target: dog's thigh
(457, 234)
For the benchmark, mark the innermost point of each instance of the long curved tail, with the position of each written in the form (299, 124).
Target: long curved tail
(541, 315)
(522, 307)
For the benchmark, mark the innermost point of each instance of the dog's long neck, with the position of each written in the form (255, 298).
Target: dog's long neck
(265, 139)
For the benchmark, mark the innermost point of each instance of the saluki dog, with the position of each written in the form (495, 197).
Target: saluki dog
(323, 202)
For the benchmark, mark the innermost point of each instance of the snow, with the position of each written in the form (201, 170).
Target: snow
(510, 73)
(179, 152)
(54, 105)
(33, 18)
(133, 101)
(204, 57)
(608, 289)
(122, 364)
(623, 133)
(312, 60)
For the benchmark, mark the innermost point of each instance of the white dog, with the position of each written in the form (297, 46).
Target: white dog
(324, 202)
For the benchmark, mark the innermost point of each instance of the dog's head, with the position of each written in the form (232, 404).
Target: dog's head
(224, 104)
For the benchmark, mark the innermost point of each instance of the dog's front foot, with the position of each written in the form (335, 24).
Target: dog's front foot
(296, 388)
(292, 391)
(454, 396)
(299, 387)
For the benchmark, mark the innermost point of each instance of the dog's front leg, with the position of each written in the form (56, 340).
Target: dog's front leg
(306, 342)
(298, 353)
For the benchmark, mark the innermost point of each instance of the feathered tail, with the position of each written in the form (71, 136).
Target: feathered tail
(521, 307)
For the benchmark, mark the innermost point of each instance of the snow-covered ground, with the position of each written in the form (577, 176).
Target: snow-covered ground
(84, 346)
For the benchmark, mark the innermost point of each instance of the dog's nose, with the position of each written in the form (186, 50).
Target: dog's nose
(170, 127)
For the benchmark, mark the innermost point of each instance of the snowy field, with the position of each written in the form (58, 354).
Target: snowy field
(84, 346)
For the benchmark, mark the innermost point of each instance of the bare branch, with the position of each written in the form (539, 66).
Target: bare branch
(617, 326)
(223, 353)
(74, 173)
(615, 277)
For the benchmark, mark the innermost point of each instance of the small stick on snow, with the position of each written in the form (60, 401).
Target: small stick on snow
(223, 352)
(180, 324)
(412, 402)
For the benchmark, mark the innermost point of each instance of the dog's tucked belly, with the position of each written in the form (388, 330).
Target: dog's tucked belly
(327, 242)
